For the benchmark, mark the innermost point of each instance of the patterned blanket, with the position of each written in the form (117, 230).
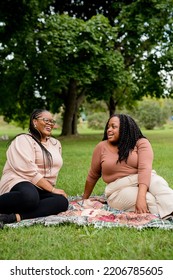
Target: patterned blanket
(95, 211)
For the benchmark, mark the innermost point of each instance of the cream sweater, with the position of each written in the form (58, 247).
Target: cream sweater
(104, 164)
(25, 162)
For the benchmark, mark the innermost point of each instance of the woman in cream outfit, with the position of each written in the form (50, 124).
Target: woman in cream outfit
(124, 161)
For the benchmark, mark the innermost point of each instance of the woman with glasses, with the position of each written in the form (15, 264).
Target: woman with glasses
(28, 183)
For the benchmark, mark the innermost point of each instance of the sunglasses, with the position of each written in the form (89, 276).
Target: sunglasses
(47, 121)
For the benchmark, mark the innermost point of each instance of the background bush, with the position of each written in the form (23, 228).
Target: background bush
(97, 121)
(152, 113)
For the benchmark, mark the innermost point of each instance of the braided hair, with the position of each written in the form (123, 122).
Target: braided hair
(129, 134)
(34, 115)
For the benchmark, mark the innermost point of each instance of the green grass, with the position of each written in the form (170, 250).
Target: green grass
(71, 242)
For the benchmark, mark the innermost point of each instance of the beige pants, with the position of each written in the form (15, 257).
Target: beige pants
(122, 194)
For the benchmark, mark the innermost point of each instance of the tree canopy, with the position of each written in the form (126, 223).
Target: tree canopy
(56, 53)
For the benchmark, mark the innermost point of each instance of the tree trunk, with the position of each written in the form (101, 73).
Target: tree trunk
(72, 104)
(111, 106)
(70, 107)
(79, 101)
(74, 123)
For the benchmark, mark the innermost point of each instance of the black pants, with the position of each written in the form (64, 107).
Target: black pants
(30, 202)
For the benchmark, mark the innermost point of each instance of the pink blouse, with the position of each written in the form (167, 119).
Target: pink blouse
(25, 162)
(104, 164)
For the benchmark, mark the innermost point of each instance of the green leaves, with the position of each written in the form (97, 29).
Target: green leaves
(123, 56)
(76, 47)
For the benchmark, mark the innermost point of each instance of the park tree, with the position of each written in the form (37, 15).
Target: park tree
(32, 75)
(144, 38)
(78, 52)
(18, 21)
(70, 53)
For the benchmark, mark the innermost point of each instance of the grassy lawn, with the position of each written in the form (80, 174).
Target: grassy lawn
(71, 242)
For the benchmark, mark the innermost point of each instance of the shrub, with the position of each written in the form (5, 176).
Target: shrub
(150, 114)
(97, 121)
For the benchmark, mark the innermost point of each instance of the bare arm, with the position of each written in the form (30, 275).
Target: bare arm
(94, 173)
(88, 189)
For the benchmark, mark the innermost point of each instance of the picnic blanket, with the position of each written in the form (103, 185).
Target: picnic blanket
(96, 212)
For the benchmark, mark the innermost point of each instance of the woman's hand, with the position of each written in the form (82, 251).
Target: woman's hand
(59, 191)
(45, 185)
(141, 203)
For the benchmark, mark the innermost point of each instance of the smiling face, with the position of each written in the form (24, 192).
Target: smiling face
(113, 130)
(44, 123)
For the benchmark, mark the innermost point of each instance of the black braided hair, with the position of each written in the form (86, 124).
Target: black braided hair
(129, 134)
(34, 115)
